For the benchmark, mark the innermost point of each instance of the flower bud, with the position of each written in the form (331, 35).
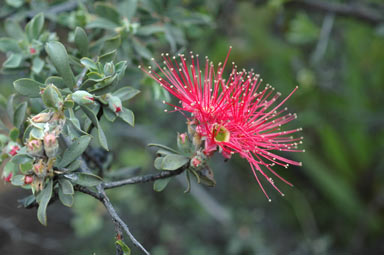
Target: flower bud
(183, 142)
(41, 117)
(13, 149)
(39, 168)
(52, 97)
(109, 69)
(28, 179)
(115, 104)
(196, 162)
(32, 50)
(8, 178)
(37, 184)
(51, 145)
(35, 147)
(82, 97)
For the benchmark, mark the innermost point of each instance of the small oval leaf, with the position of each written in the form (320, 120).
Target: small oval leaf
(75, 150)
(44, 198)
(173, 162)
(161, 184)
(59, 57)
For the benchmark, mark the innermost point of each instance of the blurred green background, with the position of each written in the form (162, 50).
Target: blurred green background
(337, 204)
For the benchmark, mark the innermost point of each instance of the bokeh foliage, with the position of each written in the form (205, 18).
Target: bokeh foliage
(337, 202)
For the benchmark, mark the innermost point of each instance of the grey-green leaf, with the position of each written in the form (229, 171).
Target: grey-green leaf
(14, 134)
(18, 180)
(66, 186)
(158, 163)
(9, 45)
(35, 26)
(75, 150)
(20, 114)
(28, 87)
(127, 116)
(37, 65)
(100, 133)
(44, 198)
(13, 61)
(141, 50)
(108, 12)
(89, 63)
(21, 159)
(161, 184)
(126, 93)
(102, 138)
(162, 147)
(84, 179)
(57, 81)
(59, 57)
(173, 162)
(81, 41)
(66, 199)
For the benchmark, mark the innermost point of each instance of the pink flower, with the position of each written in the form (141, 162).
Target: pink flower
(233, 115)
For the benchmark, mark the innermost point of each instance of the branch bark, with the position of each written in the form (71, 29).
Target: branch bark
(143, 178)
(119, 223)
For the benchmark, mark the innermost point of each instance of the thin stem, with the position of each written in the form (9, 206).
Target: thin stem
(143, 178)
(119, 223)
(101, 196)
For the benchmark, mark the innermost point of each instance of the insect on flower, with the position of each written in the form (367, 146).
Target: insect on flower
(236, 115)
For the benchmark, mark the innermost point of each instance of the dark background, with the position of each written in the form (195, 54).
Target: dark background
(334, 51)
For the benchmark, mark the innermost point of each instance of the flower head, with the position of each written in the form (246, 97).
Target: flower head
(234, 115)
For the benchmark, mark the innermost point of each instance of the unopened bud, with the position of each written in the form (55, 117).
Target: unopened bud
(51, 145)
(82, 97)
(52, 97)
(196, 162)
(35, 147)
(13, 149)
(41, 117)
(115, 104)
(183, 142)
(8, 178)
(32, 50)
(28, 179)
(109, 69)
(39, 168)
